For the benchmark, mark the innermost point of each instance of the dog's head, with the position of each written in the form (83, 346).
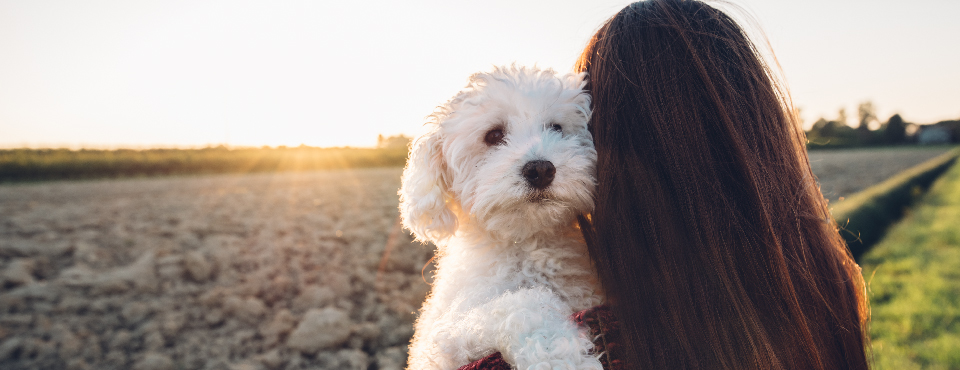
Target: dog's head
(510, 153)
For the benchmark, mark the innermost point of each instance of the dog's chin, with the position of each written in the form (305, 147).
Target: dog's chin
(534, 213)
(539, 198)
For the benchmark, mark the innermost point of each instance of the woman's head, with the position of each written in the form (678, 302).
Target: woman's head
(711, 237)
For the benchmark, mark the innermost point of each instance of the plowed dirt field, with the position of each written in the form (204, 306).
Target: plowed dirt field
(257, 271)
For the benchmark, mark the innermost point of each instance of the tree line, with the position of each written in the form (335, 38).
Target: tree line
(55, 164)
(870, 131)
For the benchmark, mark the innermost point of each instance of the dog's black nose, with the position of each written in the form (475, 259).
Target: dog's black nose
(539, 174)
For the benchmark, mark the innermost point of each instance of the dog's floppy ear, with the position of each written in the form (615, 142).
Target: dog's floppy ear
(425, 196)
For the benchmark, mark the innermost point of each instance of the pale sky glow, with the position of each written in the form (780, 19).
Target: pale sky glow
(249, 73)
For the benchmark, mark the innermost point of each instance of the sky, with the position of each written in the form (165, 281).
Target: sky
(139, 74)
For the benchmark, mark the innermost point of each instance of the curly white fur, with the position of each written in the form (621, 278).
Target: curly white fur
(512, 266)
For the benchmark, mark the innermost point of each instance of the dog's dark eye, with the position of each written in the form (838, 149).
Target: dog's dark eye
(494, 137)
(556, 127)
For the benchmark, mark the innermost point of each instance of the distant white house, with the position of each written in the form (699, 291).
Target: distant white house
(932, 134)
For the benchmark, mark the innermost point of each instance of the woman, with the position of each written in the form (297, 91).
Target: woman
(713, 242)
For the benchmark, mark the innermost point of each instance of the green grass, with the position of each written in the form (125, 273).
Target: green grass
(865, 217)
(55, 164)
(913, 280)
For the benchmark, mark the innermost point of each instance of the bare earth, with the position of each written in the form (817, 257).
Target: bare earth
(276, 271)
(262, 271)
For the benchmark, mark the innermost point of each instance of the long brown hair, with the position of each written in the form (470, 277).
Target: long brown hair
(712, 239)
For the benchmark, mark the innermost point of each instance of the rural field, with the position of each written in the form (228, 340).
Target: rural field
(277, 271)
(298, 270)
(844, 172)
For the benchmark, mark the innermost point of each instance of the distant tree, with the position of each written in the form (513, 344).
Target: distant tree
(393, 142)
(837, 133)
(839, 129)
(844, 134)
(867, 114)
(816, 131)
(831, 128)
(820, 123)
(895, 131)
(831, 133)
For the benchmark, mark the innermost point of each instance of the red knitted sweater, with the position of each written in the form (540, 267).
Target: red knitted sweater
(603, 326)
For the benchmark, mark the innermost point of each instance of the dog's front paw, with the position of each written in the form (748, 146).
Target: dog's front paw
(587, 364)
(555, 365)
(558, 354)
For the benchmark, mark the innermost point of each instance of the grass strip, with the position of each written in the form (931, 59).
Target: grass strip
(913, 283)
(865, 216)
(56, 164)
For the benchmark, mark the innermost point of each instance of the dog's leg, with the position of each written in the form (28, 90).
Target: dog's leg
(432, 347)
(532, 329)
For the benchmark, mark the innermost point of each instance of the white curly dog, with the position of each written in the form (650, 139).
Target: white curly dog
(496, 184)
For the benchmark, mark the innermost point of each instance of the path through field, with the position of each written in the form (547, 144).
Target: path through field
(261, 271)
